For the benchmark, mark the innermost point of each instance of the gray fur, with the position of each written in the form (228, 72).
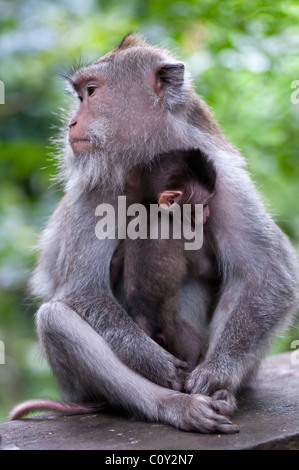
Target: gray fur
(95, 349)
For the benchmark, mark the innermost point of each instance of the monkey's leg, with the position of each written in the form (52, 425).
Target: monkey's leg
(86, 368)
(238, 340)
(232, 354)
(132, 345)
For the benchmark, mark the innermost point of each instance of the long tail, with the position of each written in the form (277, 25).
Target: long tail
(40, 404)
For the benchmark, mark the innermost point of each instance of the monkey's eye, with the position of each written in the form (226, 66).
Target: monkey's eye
(205, 205)
(90, 90)
(80, 98)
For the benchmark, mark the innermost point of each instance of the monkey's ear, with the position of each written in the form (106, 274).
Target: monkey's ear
(169, 82)
(130, 40)
(169, 198)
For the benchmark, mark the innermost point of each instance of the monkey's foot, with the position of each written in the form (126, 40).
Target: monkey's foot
(195, 413)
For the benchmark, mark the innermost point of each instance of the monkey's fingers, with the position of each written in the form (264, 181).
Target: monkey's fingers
(225, 402)
(180, 364)
(167, 370)
(206, 379)
(181, 373)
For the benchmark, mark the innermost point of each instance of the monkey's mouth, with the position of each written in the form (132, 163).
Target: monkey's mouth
(79, 145)
(73, 141)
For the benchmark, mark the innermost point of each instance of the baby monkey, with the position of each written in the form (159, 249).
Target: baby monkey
(154, 269)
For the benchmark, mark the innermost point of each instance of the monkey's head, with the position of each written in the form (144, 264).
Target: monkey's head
(132, 104)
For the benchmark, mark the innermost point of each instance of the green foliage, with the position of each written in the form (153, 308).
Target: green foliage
(243, 57)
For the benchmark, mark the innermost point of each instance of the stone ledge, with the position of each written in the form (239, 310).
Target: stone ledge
(268, 417)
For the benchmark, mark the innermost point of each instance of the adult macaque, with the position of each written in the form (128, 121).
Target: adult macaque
(154, 269)
(133, 104)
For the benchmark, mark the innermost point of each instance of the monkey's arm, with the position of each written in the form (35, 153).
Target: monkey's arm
(136, 349)
(259, 292)
(74, 268)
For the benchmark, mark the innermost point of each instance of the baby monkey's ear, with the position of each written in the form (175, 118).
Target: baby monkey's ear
(168, 199)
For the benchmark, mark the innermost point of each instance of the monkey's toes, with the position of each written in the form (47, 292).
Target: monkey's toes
(196, 413)
(225, 401)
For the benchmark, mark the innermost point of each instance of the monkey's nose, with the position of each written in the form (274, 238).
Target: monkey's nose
(72, 123)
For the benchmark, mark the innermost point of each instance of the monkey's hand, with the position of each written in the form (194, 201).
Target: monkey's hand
(166, 370)
(208, 380)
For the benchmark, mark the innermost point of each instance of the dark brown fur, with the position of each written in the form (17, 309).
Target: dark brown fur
(154, 270)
